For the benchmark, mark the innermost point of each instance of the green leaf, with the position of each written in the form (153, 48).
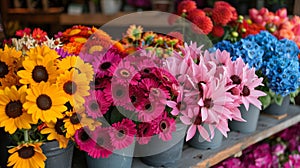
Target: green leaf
(265, 100)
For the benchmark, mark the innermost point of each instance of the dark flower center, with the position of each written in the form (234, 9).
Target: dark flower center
(163, 125)
(44, 102)
(105, 65)
(198, 120)
(84, 136)
(58, 127)
(201, 88)
(70, 87)
(3, 69)
(119, 92)
(26, 152)
(148, 107)
(74, 119)
(13, 109)
(208, 103)
(146, 70)
(235, 79)
(121, 133)
(100, 141)
(94, 105)
(133, 98)
(246, 91)
(39, 74)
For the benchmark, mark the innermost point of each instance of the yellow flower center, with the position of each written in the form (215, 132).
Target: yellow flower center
(13, 109)
(26, 152)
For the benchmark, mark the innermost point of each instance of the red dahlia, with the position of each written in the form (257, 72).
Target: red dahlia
(202, 25)
(195, 13)
(186, 5)
(221, 15)
(218, 31)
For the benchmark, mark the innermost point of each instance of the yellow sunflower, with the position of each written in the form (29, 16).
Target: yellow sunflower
(27, 156)
(45, 102)
(72, 123)
(74, 85)
(89, 122)
(12, 114)
(56, 132)
(8, 59)
(75, 62)
(39, 66)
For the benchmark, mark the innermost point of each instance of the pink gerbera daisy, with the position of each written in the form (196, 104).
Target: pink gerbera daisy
(150, 110)
(102, 146)
(120, 94)
(165, 77)
(123, 73)
(194, 119)
(122, 133)
(95, 105)
(83, 140)
(108, 63)
(144, 133)
(164, 126)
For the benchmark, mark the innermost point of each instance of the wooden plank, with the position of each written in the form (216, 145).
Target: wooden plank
(234, 143)
(277, 117)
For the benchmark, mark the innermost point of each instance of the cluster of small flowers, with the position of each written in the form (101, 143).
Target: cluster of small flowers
(277, 59)
(282, 150)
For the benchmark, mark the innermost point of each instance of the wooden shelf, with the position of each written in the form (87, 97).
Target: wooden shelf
(234, 143)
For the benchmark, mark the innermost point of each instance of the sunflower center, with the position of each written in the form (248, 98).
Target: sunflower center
(70, 87)
(125, 73)
(105, 65)
(44, 102)
(3, 69)
(246, 91)
(121, 133)
(163, 125)
(58, 127)
(74, 119)
(26, 152)
(39, 74)
(208, 103)
(235, 79)
(13, 109)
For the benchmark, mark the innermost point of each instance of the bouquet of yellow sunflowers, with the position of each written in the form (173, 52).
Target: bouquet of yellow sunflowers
(42, 94)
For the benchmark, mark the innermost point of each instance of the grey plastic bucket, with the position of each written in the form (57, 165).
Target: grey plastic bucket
(198, 142)
(120, 158)
(275, 109)
(58, 157)
(161, 153)
(251, 116)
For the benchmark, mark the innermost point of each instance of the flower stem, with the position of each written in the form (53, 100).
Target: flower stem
(26, 137)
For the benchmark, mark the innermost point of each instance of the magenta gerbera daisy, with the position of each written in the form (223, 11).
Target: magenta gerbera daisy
(95, 105)
(108, 63)
(120, 94)
(102, 147)
(83, 140)
(150, 110)
(144, 133)
(123, 73)
(164, 126)
(122, 133)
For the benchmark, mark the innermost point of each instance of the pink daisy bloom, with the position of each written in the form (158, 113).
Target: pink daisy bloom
(123, 73)
(150, 111)
(83, 140)
(108, 63)
(165, 77)
(178, 68)
(213, 104)
(120, 94)
(220, 58)
(122, 133)
(194, 119)
(191, 52)
(102, 147)
(248, 93)
(164, 126)
(144, 133)
(91, 106)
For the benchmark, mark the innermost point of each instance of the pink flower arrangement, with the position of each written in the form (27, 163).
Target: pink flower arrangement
(213, 87)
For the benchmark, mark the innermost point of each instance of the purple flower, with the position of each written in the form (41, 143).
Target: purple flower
(278, 149)
(293, 162)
